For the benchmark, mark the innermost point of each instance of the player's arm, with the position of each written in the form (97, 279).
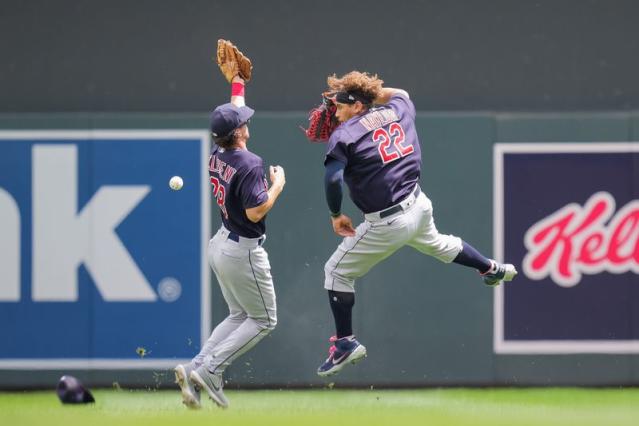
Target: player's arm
(278, 180)
(333, 179)
(237, 91)
(387, 93)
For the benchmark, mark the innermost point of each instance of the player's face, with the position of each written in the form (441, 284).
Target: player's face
(345, 111)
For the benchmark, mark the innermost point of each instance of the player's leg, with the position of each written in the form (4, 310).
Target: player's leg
(345, 348)
(236, 314)
(492, 272)
(234, 320)
(253, 289)
(209, 376)
(449, 248)
(354, 257)
(190, 393)
(246, 275)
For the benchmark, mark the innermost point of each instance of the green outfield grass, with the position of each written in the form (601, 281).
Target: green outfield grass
(512, 407)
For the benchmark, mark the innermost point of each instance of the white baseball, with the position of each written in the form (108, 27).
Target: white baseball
(176, 183)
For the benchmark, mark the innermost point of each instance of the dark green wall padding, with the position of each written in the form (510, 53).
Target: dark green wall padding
(424, 323)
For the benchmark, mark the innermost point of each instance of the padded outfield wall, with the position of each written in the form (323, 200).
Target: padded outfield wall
(497, 180)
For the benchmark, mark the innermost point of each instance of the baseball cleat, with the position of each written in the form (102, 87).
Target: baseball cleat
(345, 351)
(190, 395)
(499, 272)
(211, 383)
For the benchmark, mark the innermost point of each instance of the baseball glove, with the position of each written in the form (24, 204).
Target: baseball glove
(232, 62)
(322, 120)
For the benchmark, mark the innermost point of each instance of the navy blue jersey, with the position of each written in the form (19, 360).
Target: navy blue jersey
(382, 155)
(239, 183)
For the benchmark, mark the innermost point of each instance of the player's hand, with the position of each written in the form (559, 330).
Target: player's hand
(343, 226)
(277, 175)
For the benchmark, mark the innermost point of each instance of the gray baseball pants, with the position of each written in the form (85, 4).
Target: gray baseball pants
(243, 272)
(377, 238)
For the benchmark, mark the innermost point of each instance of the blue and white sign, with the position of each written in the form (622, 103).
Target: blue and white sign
(102, 265)
(568, 216)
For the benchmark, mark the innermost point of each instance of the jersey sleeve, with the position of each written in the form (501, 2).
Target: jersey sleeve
(402, 105)
(336, 149)
(253, 188)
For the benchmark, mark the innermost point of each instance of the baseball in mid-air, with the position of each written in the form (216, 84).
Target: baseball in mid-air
(176, 183)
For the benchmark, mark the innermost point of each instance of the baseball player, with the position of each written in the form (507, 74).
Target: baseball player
(235, 253)
(376, 151)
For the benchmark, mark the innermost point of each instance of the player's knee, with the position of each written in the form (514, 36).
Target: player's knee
(267, 323)
(237, 315)
(269, 326)
(272, 321)
(443, 248)
(335, 279)
(436, 244)
(272, 324)
(331, 271)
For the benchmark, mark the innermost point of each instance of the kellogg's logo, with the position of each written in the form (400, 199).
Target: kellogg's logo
(567, 215)
(578, 240)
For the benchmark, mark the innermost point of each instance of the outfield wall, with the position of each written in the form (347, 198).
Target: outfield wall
(492, 179)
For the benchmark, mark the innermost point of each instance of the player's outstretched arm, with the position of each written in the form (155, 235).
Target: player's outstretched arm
(278, 180)
(237, 91)
(387, 93)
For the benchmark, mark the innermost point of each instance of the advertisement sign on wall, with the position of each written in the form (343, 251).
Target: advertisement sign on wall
(568, 216)
(102, 265)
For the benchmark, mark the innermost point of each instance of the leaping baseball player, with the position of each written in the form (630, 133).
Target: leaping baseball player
(375, 150)
(235, 253)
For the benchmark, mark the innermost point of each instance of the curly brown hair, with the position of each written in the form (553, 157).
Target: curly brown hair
(355, 81)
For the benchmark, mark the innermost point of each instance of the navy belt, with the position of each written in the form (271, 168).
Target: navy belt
(233, 236)
(397, 208)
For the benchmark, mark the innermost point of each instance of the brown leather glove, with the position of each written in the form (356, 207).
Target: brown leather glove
(232, 61)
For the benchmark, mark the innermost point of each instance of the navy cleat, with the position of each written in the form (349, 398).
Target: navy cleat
(499, 272)
(190, 395)
(345, 351)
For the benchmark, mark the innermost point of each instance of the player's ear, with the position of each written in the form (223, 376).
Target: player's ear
(238, 133)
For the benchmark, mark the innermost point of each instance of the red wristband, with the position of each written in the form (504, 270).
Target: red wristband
(237, 89)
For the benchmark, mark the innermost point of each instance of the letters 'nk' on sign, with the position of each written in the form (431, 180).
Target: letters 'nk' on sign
(98, 256)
